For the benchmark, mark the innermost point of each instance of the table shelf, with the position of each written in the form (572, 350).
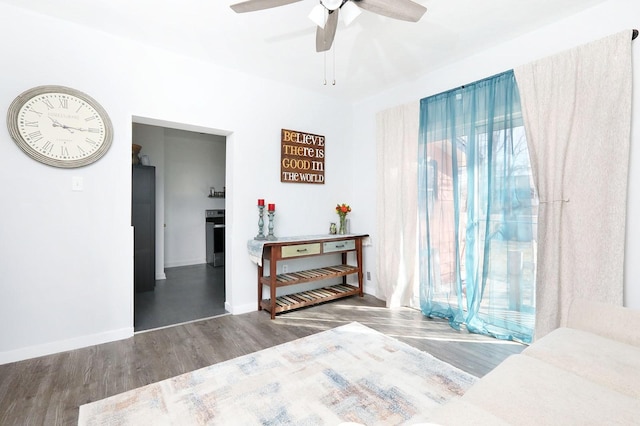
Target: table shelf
(310, 297)
(308, 275)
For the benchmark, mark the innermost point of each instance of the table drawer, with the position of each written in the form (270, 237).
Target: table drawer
(332, 246)
(300, 250)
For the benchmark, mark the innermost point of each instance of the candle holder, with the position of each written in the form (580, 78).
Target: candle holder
(260, 236)
(271, 237)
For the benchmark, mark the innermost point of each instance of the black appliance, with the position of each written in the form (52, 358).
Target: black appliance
(215, 237)
(143, 219)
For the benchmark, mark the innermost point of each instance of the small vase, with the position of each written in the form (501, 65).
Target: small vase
(343, 225)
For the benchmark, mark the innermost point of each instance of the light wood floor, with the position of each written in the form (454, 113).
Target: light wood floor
(49, 390)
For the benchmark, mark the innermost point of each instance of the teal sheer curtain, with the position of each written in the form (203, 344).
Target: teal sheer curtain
(477, 210)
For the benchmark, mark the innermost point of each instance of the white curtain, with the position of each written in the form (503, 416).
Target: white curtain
(577, 111)
(397, 208)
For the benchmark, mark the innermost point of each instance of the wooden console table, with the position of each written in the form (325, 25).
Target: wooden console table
(293, 248)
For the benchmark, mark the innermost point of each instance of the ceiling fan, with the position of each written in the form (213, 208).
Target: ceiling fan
(325, 14)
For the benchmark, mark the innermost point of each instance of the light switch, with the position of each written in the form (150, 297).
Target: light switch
(77, 183)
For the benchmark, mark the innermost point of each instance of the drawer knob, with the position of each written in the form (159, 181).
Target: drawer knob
(301, 250)
(340, 246)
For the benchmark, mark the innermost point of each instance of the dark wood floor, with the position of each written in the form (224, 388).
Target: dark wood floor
(49, 390)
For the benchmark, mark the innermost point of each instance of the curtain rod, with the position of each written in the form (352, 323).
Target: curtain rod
(634, 35)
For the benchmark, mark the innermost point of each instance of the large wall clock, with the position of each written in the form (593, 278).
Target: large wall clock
(59, 126)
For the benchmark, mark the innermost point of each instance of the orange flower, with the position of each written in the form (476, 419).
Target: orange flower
(343, 209)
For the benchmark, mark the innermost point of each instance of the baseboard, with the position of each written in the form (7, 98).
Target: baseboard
(162, 276)
(370, 290)
(242, 309)
(184, 263)
(64, 345)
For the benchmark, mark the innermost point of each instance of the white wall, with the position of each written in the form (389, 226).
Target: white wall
(66, 262)
(600, 21)
(193, 163)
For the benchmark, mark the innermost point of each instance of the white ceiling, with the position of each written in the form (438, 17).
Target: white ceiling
(372, 54)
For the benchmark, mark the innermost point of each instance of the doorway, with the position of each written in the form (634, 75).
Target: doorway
(190, 167)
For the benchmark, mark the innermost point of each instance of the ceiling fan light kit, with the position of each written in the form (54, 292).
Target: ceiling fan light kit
(317, 15)
(404, 10)
(325, 14)
(331, 4)
(349, 12)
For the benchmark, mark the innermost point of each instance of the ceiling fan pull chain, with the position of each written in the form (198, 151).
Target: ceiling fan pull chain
(324, 55)
(334, 63)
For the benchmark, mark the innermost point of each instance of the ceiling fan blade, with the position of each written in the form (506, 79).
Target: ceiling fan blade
(324, 37)
(405, 10)
(253, 5)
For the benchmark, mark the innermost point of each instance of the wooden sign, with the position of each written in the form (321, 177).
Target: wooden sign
(302, 157)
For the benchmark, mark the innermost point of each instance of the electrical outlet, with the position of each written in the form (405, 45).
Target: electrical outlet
(368, 276)
(285, 269)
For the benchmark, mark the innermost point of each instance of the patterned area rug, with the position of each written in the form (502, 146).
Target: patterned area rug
(348, 374)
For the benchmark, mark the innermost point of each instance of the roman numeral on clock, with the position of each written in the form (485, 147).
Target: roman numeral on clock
(35, 136)
(36, 112)
(48, 103)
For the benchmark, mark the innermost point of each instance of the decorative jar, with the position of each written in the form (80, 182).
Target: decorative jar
(343, 225)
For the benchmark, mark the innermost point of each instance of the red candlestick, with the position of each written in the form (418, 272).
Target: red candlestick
(272, 207)
(260, 202)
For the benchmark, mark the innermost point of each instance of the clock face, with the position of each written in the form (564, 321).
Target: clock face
(59, 126)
